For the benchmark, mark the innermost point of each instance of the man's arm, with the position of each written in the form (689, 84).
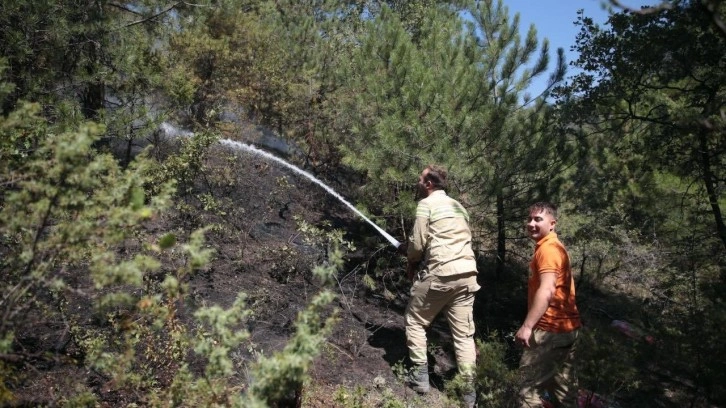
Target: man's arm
(417, 244)
(411, 266)
(540, 303)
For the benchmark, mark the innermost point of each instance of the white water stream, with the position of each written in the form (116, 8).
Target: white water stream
(249, 148)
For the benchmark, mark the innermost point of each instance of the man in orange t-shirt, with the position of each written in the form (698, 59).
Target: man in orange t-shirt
(551, 328)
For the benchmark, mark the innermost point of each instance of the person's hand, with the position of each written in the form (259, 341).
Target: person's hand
(403, 248)
(522, 336)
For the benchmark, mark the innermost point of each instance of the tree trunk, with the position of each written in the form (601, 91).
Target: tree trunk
(708, 177)
(501, 235)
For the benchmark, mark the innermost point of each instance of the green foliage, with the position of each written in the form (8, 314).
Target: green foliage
(606, 362)
(66, 205)
(275, 377)
(496, 382)
(455, 97)
(398, 113)
(217, 335)
(391, 401)
(84, 399)
(323, 234)
(648, 183)
(360, 397)
(354, 399)
(666, 98)
(66, 209)
(184, 167)
(65, 214)
(81, 61)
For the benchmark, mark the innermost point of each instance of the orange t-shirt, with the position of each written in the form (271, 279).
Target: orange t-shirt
(562, 315)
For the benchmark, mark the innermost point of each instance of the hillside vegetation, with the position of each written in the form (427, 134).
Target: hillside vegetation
(145, 263)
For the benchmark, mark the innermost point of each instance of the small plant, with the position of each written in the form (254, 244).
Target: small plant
(347, 399)
(400, 371)
(320, 236)
(390, 400)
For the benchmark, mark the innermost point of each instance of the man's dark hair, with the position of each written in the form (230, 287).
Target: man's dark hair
(437, 176)
(545, 206)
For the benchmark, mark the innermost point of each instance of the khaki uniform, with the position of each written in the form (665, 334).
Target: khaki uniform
(441, 241)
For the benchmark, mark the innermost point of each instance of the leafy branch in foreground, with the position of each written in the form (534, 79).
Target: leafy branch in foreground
(276, 376)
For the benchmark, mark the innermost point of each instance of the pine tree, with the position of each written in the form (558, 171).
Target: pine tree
(454, 94)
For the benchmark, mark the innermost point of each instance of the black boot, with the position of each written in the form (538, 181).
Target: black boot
(418, 378)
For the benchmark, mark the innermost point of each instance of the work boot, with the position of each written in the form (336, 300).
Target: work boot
(418, 378)
(468, 399)
(467, 390)
(468, 395)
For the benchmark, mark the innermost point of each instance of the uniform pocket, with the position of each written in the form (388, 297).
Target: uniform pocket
(439, 294)
(419, 291)
(440, 287)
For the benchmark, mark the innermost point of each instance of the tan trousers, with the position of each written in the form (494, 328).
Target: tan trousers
(548, 365)
(453, 295)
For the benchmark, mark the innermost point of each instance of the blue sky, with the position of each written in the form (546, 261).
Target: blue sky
(554, 19)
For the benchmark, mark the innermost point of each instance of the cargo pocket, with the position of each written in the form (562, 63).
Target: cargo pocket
(439, 293)
(419, 292)
(470, 319)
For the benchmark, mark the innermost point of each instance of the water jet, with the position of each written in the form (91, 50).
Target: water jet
(252, 149)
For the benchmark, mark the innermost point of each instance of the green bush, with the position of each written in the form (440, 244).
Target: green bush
(496, 383)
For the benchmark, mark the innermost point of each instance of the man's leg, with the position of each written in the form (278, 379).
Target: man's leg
(538, 367)
(565, 381)
(460, 316)
(461, 322)
(420, 312)
(417, 318)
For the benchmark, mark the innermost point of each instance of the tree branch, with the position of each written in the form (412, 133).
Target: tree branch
(710, 5)
(645, 10)
(166, 10)
(124, 8)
